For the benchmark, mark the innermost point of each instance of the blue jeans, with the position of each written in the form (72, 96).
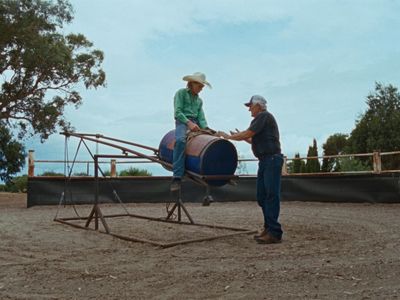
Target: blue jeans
(178, 157)
(269, 190)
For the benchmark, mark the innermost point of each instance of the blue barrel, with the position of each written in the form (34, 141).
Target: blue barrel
(205, 155)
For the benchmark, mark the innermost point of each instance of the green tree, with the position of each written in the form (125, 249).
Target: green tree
(51, 173)
(134, 172)
(334, 145)
(303, 167)
(40, 67)
(17, 184)
(378, 127)
(313, 165)
(12, 155)
(352, 164)
(80, 174)
(297, 164)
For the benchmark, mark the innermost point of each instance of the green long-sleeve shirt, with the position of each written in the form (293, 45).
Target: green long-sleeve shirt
(187, 106)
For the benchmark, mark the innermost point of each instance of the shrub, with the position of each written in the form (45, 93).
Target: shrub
(80, 174)
(134, 172)
(51, 173)
(18, 184)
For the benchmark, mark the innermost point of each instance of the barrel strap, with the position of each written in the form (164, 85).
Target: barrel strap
(191, 134)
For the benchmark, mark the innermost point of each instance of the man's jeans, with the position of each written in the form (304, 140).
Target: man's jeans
(268, 192)
(178, 159)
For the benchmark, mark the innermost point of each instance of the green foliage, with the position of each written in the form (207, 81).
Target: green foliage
(303, 167)
(2, 188)
(107, 173)
(378, 127)
(80, 174)
(134, 172)
(298, 165)
(18, 184)
(334, 145)
(350, 164)
(12, 155)
(38, 60)
(51, 173)
(312, 165)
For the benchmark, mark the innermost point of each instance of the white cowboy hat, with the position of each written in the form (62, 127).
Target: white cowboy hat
(197, 77)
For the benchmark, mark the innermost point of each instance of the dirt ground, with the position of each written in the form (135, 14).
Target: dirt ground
(330, 251)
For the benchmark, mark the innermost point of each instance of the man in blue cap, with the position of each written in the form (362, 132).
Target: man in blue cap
(263, 134)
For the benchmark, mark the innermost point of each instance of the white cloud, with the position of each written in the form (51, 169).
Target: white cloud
(315, 61)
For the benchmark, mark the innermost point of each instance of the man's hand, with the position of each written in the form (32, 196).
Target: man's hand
(193, 126)
(223, 134)
(233, 132)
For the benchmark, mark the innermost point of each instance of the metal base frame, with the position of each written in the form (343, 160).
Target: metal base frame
(96, 213)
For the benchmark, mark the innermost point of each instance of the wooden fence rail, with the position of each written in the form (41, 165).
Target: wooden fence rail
(376, 157)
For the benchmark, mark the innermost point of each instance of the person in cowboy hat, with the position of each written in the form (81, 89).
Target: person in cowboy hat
(189, 114)
(263, 135)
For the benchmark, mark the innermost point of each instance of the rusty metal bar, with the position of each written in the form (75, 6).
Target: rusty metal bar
(105, 225)
(85, 218)
(91, 162)
(97, 214)
(96, 191)
(171, 211)
(216, 177)
(166, 245)
(100, 136)
(151, 158)
(90, 217)
(159, 219)
(122, 237)
(62, 221)
(135, 239)
(124, 149)
(186, 212)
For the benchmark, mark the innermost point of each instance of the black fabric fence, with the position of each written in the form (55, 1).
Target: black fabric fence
(373, 188)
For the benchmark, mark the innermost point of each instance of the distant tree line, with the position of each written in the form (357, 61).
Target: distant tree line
(377, 129)
(19, 184)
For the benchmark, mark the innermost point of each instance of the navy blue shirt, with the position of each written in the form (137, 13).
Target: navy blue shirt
(266, 138)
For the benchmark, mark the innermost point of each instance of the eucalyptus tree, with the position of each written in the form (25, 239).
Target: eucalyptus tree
(42, 68)
(12, 155)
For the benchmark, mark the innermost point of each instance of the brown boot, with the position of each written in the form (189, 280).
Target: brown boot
(261, 234)
(268, 239)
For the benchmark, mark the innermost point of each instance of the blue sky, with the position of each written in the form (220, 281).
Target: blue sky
(314, 61)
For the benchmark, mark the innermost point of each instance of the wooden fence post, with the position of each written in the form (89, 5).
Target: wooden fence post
(31, 163)
(284, 167)
(377, 162)
(113, 169)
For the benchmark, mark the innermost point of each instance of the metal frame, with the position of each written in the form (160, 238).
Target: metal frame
(96, 214)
